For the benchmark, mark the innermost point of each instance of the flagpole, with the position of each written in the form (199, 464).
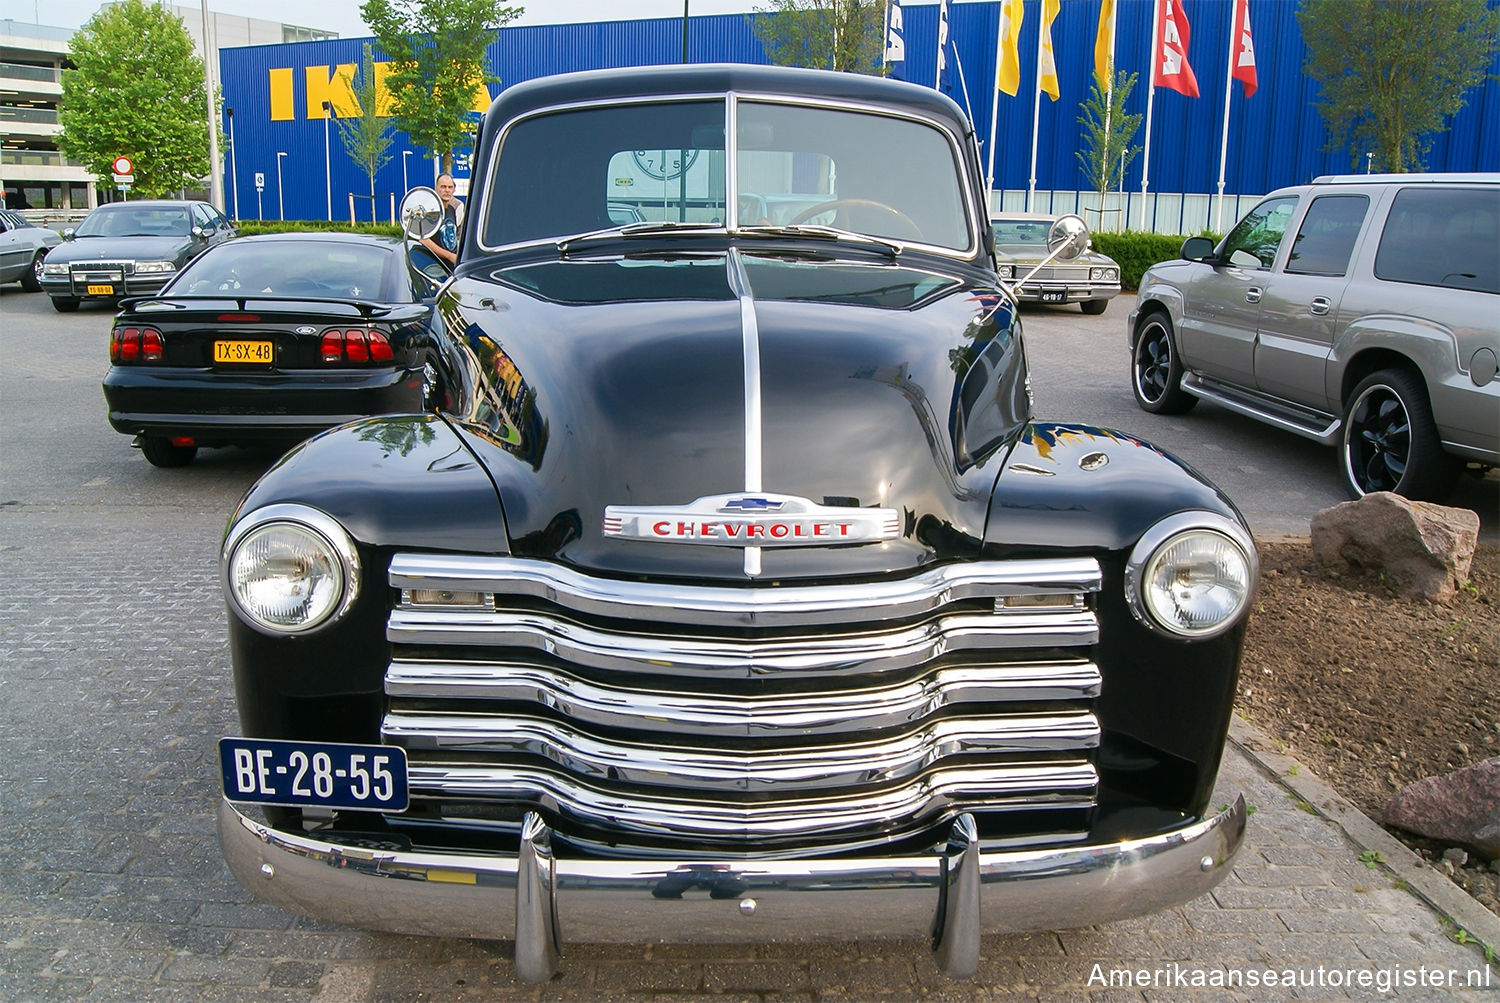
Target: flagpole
(1109, 107)
(995, 100)
(1150, 99)
(962, 83)
(1228, 89)
(1036, 105)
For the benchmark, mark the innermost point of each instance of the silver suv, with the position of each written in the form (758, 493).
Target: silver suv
(1362, 312)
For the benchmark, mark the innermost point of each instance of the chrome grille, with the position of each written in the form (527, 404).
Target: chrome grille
(840, 714)
(1062, 273)
(123, 267)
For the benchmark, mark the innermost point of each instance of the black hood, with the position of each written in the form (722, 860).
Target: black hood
(622, 381)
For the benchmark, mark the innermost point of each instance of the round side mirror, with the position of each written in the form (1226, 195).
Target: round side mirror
(1068, 238)
(201, 232)
(67, 233)
(421, 213)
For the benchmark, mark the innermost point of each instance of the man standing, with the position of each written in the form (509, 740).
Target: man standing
(444, 243)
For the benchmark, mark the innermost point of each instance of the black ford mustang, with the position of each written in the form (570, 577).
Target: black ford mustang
(274, 338)
(735, 593)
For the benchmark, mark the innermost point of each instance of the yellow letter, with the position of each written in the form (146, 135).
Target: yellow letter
(382, 92)
(281, 95)
(337, 90)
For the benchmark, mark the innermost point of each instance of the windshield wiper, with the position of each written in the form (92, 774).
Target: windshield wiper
(649, 228)
(822, 232)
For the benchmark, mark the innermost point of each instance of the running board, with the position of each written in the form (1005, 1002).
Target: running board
(1314, 425)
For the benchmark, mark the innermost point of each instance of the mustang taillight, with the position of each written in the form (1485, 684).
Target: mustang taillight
(356, 345)
(135, 344)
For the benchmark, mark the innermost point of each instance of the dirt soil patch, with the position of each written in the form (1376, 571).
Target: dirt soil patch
(1374, 691)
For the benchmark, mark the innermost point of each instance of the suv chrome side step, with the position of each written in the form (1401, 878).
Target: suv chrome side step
(1288, 417)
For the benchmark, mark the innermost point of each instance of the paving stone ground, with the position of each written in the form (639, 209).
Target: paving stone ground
(114, 688)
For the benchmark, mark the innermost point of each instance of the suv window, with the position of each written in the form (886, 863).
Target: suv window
(1253, 243)
(1326, 238)
(1442, 237)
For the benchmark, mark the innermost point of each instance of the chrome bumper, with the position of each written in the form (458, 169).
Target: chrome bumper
(534, 898)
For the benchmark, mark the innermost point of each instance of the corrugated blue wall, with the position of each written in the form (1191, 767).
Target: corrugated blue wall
(1276, 137)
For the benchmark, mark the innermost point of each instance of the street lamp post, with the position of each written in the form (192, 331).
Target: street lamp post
(404, 186)
(327, 163)
(280, 202)
(215, 179)
(234, 167)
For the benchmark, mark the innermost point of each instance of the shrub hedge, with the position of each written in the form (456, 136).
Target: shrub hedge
(252, 228)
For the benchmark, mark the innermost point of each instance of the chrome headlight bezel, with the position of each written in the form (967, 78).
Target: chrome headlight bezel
(1006, 271)
(155, 267)
(55, 268)
(323, 529)
(1104, 273)
(1167, 533)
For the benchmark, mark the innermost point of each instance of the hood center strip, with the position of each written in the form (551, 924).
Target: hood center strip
(750, 336)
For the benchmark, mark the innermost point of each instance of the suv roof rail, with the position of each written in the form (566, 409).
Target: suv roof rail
(1379, 179)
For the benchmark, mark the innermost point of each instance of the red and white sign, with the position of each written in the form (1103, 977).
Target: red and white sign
(752, 519)
(1172, 69)
(123, 165)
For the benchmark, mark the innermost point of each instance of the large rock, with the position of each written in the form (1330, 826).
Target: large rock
(1424, 550)
(1462, 807)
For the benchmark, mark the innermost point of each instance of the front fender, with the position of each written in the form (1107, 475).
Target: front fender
(397, 482)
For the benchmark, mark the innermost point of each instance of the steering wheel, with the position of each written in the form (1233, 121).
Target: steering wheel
(843, 216)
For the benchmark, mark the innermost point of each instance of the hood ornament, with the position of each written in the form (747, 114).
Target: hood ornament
(752, 520)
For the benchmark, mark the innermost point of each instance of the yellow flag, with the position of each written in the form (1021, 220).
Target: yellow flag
(1046, 71)
(1008, 75)
(1104, 46)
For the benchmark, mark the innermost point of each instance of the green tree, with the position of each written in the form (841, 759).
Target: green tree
(438, 59)
(136, 90)
(367, 136)
(846, 35)
(1391, 71)
(1108, 135)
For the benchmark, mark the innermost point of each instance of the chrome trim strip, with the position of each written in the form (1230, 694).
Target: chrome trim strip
(760, 716)
(688, 769)
(799, 899)
(932, 798)
(750, 330)
(761, 607)
(868, 652)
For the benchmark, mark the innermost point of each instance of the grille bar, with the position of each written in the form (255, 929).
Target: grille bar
(839, 767)
(931, 798)
(801, 714)
(820, 655)
(763, 607)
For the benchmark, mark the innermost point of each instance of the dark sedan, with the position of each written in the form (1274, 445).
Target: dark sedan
(272, 339)
(130, 249)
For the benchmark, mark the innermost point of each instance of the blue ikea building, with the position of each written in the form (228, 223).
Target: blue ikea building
(274, 94)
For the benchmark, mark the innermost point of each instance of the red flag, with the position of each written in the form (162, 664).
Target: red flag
(1244, 49)
(1172, 69)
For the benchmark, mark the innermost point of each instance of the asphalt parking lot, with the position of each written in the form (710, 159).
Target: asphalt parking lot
(114, 687)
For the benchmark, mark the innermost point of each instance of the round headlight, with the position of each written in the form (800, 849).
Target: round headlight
(1192, 575)
(1006, 271)
(290, 569)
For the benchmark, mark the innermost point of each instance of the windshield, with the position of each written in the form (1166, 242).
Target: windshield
(312, 269)
(136, 221)
(582, 170)
(1021, 232)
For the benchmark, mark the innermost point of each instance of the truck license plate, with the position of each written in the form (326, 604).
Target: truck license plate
(245, 351)
(317, 774)
(1054, 296)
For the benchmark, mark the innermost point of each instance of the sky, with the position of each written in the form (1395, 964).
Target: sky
(343, 17)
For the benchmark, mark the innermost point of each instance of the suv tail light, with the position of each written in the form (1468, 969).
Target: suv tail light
(356, 345)
(135, 344)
